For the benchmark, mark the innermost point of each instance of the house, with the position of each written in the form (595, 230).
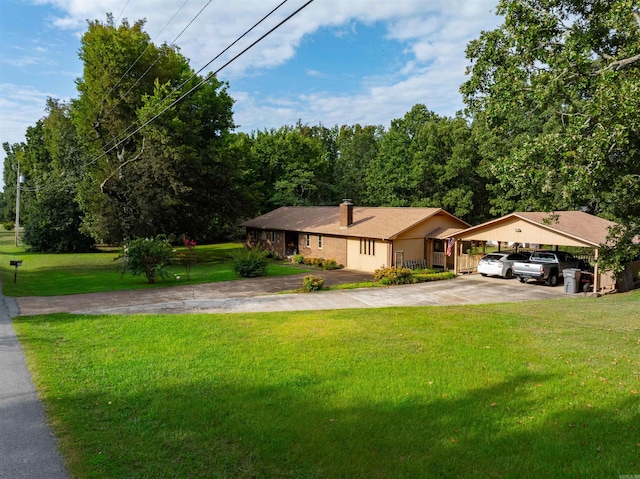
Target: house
(360, 238)
(560, 228)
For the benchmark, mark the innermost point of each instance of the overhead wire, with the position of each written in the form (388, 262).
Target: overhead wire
(144, 51)
(157, 59)
(118, 142)
(122, 11)
(177, 88)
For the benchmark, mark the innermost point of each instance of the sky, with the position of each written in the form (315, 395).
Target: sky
(336, 62)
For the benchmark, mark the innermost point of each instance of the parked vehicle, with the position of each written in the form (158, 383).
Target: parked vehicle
(545, 266)
(500, 263)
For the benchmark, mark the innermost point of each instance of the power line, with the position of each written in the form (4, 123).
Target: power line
(156, 60)
(286, 19)
(144, 51)
(122, 11)
(159, 102)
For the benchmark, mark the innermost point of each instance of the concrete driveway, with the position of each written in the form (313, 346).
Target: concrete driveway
(261, 295)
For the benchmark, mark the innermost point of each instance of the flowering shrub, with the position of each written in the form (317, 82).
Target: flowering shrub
(189, 256)
(148, 256)
(393, 275)
(312, 283)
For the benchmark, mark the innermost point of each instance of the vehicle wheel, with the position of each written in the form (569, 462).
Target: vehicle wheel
(552, 280)
(483, 274)
(522, 280)
(508, 274)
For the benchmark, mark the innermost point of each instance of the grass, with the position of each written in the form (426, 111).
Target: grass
(536, 390)
(62, 274)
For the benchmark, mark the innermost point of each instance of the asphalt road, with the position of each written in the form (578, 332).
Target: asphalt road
(27, 447)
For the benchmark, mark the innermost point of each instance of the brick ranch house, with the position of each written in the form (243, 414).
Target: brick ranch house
(360, 238)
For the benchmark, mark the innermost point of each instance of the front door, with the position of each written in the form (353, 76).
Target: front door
(291, 242)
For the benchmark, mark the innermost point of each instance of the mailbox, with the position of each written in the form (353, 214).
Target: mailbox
(16, 263)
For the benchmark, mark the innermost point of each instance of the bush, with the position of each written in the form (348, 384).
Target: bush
(272, 254)
(148, 256)
(437, 276)
(330, 264)
(250, 263)
(390, 276)
(55, 220)
(313, 283)
(298, 259)
(314, 262)
(8, 225)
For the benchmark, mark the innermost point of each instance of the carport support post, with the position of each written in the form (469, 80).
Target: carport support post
(455, 256)
(596, 271)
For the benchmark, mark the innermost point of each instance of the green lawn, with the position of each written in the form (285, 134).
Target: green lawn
(61, 274)
(537, 390)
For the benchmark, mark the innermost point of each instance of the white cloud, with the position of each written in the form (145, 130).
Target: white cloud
(26, 105)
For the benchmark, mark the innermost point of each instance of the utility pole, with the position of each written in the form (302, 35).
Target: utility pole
(18, 203)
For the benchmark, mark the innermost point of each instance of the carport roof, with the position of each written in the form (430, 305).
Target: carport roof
(577, 225)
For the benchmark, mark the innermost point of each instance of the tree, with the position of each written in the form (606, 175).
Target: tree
(394, 175)
(54, 223)
(358, 147)
(295, 165)
(429, 160)
(121, 66)
(560, 82)
(187, 179)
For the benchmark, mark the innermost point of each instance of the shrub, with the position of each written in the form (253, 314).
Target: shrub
(271, 254)
(437, 276)
(250, 263)
(8, 225)
(330, 264)
(148, 256)
(312, 283)
(393, 275)
(297, 258)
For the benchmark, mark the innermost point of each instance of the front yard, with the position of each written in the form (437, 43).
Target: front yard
(535, 390)
(61, 274)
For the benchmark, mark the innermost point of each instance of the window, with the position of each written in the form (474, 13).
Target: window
(319, 241)
(307, 240)
(273, 236)
(367, 246)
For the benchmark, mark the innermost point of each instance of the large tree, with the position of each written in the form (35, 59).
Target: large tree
(428, 160)
(294, 164)
(160, 156)
(558, 87)
(358, 147)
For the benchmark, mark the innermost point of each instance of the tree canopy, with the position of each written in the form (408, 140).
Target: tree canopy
(551, 123)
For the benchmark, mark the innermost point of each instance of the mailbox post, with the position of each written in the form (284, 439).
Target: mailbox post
(16, 263)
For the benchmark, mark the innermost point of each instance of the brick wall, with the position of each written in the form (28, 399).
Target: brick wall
(332, 248)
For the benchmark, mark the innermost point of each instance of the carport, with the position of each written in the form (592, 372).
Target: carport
(560, 228)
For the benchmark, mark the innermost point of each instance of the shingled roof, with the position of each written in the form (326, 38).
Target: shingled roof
(368, 222)
(578, 225)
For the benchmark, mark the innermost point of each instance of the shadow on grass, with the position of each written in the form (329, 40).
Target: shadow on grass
(305, 428)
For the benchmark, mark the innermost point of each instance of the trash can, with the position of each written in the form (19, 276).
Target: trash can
(571, 280)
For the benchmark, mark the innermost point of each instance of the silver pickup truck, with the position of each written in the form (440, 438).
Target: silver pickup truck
(545, 266)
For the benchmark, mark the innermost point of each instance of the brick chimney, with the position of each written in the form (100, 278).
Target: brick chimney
(346, 213)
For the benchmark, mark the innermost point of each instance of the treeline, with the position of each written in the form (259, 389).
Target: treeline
(150, 147)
